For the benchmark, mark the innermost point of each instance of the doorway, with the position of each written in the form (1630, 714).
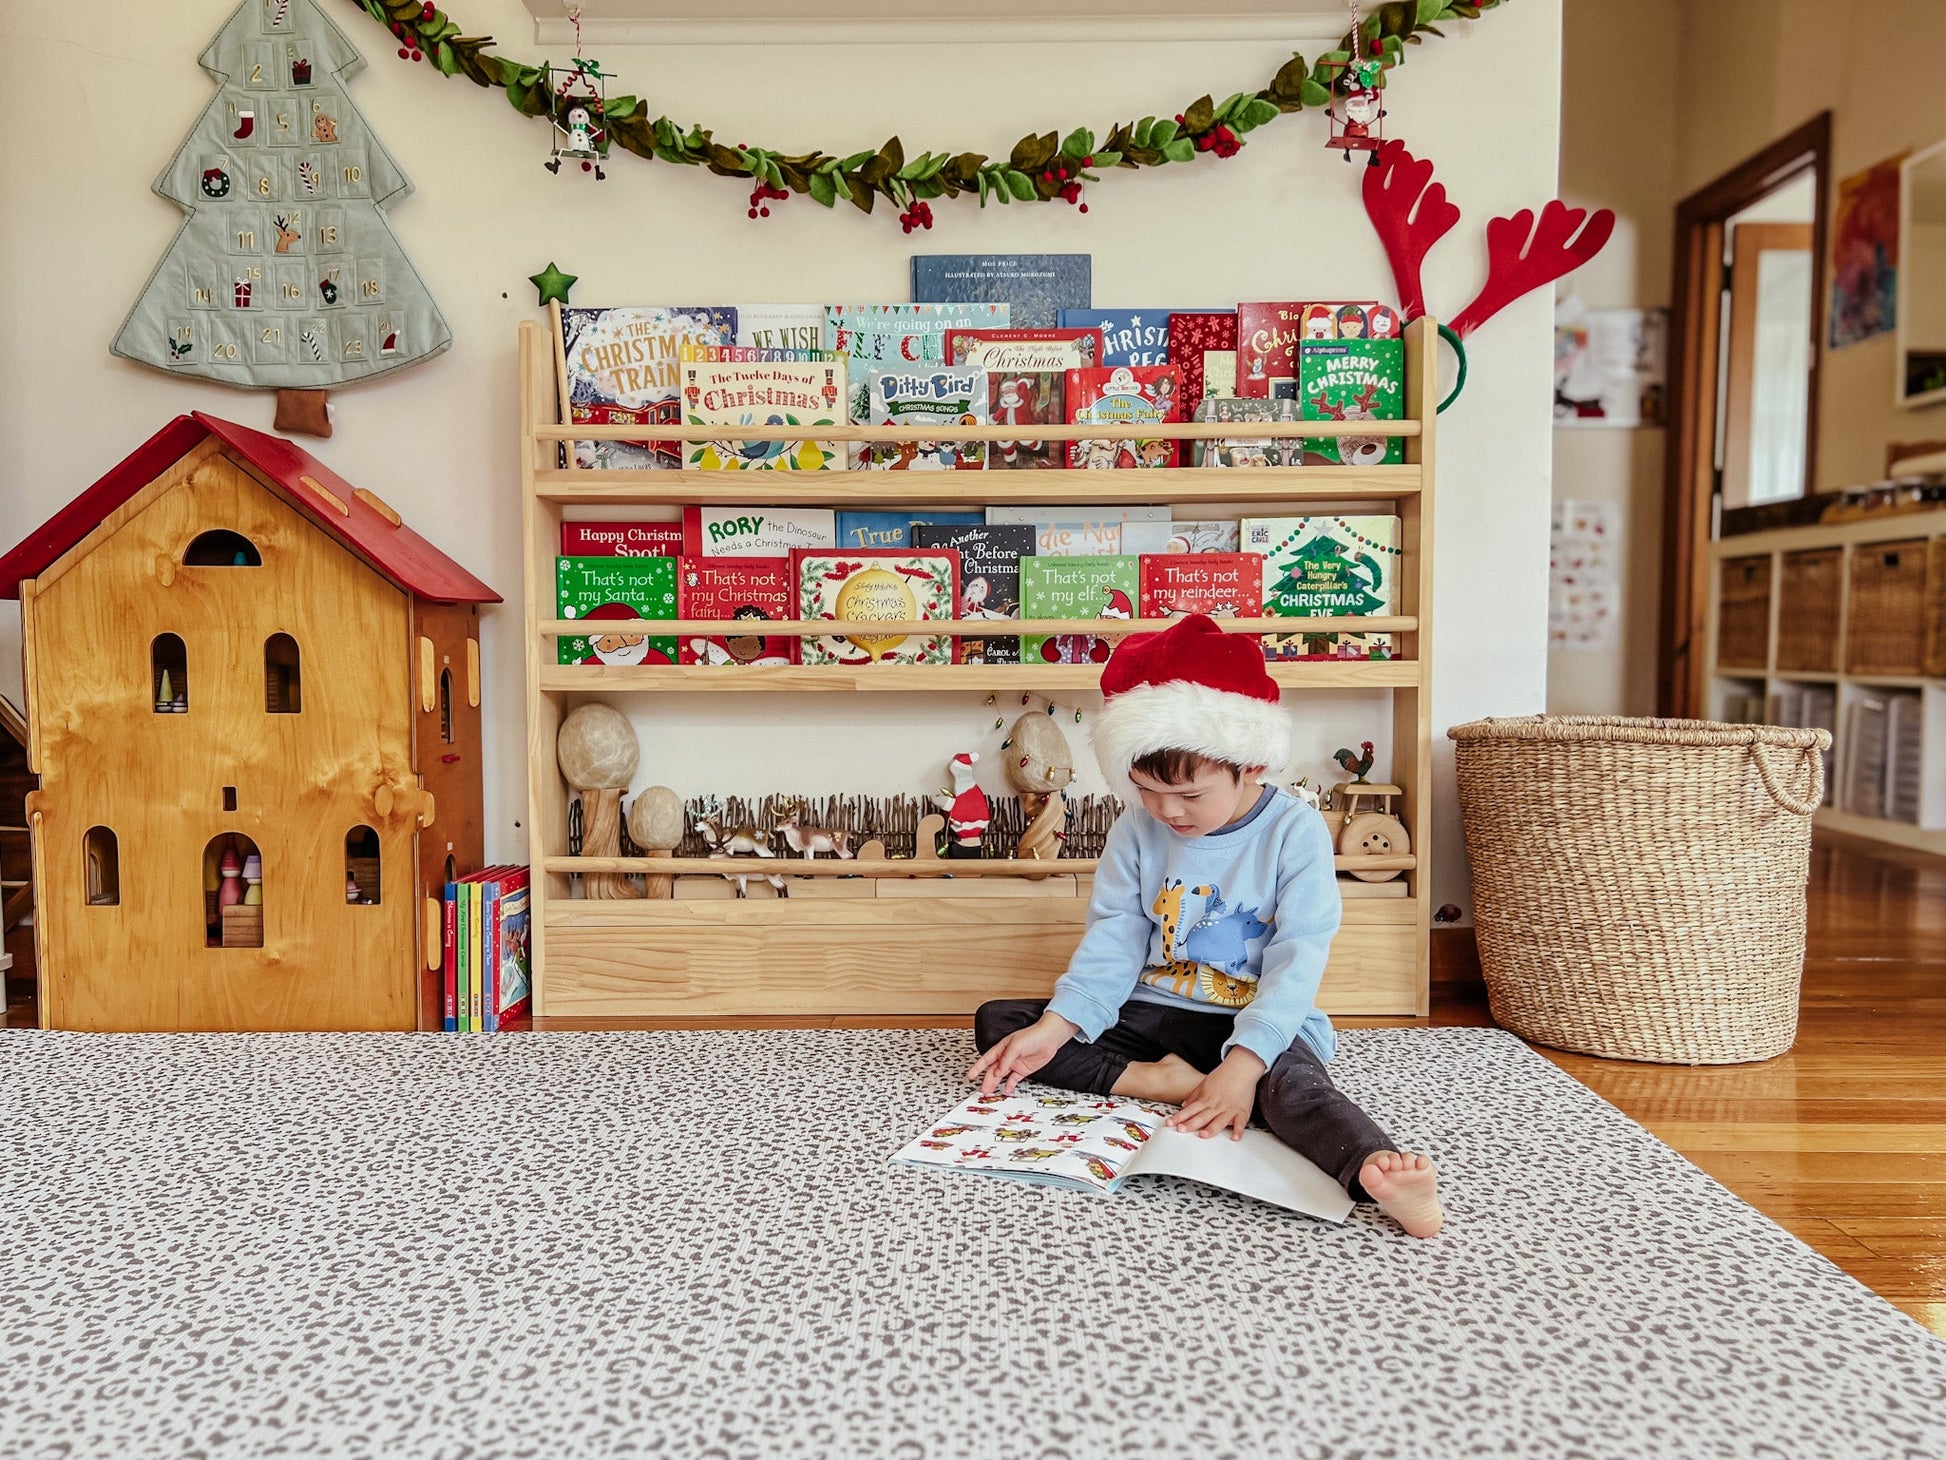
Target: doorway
(1749, 278)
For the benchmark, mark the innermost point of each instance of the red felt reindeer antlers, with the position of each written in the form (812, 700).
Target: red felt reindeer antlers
(1520, 255)
(1391, 189)
(1561, 244)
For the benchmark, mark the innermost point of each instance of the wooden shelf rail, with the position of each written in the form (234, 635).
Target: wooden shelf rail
(897, 435)
(970, 628)
(886, 867)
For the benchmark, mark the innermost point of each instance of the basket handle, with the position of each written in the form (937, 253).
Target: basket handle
(1760, 753)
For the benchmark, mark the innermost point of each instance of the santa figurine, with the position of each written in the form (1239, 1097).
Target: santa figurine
(967, 809)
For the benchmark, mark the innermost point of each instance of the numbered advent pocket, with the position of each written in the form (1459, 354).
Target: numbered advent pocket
(247, 288)
(353, 180)
(181, 336)
(225, 343)
(243, 232)
(267, 344)
(315, 342)
(284, 122)
(370, 282)
(288, 285)
(330, 286)
(203, 286)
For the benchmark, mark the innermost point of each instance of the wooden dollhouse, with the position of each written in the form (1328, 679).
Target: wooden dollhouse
(254, 704)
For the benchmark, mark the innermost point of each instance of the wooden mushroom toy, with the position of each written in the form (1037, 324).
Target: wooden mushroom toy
(655, 824)
(598, 756)
(1040, 767)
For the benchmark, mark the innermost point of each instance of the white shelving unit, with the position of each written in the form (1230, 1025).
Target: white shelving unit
(1908, 804)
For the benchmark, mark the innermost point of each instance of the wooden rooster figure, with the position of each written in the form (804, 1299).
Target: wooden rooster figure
(1410, 213)
(1358, 764)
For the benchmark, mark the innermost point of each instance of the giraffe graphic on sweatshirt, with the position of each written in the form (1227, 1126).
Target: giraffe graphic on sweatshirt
(1209, 961)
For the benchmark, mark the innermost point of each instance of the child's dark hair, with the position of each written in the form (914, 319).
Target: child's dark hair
(1178, 767)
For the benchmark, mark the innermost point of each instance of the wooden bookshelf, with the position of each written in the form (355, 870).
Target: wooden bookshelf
(943, 936)
(1768, 675)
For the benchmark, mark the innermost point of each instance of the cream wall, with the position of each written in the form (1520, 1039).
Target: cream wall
(1754, 69)
(1619, 150)
(1282, 219)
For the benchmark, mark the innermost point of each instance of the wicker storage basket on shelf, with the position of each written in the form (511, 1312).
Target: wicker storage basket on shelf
(1638, 885)
(1807, 610)
(1936, 609)
(1743, 613)
(1885, 630)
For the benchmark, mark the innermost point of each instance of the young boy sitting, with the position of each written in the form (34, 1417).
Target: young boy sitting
(1215, 903)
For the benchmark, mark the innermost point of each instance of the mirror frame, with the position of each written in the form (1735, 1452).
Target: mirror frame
(1899, 396)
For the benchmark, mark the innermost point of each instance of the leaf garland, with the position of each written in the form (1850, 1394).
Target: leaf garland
(1042, 167)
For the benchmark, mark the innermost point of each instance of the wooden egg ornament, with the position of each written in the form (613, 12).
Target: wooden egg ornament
(598, 756)
(1040, 766)
(655, 824)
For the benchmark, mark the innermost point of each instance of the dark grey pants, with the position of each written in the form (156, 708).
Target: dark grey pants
(1295, 1098)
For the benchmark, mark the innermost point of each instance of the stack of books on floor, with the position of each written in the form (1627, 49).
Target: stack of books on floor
(486, 964)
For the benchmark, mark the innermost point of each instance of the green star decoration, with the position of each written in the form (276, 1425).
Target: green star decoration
(552, 283)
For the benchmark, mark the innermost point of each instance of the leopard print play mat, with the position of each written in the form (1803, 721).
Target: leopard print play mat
(692, 1244)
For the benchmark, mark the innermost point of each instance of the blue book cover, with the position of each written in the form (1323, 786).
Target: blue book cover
(1036, 287)
(894, 529)
(1128, 336)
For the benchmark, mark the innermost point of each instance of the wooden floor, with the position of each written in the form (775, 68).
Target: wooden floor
(1843, 1140)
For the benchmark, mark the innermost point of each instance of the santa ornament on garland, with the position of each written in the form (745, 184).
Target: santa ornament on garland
(966, 807)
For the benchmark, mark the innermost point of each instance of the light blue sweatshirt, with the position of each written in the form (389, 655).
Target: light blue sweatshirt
(1236, 919)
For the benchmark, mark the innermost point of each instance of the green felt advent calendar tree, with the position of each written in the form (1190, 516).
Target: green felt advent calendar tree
(285, 275)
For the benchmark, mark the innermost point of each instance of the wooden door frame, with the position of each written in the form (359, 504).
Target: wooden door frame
(1689, 465)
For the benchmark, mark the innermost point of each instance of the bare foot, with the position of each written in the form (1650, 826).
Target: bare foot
(1168, 1080)
(1406, 1188)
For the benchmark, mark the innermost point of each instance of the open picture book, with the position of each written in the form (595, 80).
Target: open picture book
(1098, 1142)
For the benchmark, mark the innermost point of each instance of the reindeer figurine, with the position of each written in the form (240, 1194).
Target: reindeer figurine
(806, 840)
(744, 840)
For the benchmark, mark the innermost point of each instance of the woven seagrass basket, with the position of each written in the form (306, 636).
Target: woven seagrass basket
(1638, 885)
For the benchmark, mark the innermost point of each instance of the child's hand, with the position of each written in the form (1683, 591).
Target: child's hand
(1224, 1100)
(1017, 1056)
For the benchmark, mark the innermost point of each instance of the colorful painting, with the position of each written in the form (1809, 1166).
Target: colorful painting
(1865, 255)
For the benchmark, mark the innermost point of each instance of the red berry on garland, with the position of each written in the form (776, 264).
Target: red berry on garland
(404, 54)
(426, 12)
(1084, 207)
(763, 212)
(753, 212)
(418, 57)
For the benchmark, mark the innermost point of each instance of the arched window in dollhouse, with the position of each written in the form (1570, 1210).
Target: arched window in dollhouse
(446, 705)
(283, 688)
(233, 892)
(361, 867)
(101, 867)
(169, 675)
(222, 548)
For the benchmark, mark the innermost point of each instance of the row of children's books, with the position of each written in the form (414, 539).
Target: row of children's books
(962, 363)
(749, 565)
(486, 964)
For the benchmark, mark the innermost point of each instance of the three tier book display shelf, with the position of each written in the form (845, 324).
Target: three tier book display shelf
(915, 936)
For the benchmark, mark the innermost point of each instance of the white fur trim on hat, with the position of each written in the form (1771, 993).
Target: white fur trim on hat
(1180, 715)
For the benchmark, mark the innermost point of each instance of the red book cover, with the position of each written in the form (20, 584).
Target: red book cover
(1222, 585)
(1267, 336)
(1056, 349)
(735, 588)
(621, 539)
(513, 936)
(1123, 395)
(1190, 337)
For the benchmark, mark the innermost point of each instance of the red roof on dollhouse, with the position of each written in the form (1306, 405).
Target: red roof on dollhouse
(396, 552)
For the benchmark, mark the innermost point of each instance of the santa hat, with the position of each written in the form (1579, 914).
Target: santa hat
(1191, 687)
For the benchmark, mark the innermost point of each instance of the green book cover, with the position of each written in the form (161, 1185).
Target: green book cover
(1352, 380)
(463, 956)
(612, 592)
(1104, 586)
(1326, 567)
